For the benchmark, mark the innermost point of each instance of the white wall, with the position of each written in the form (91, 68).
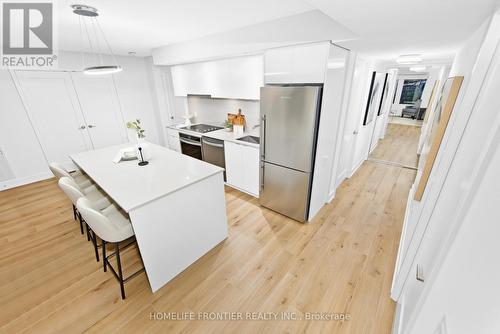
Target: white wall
(17, 137)
(18, 140)
(431, 225)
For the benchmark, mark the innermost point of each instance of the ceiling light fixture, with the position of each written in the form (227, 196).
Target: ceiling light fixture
(418, 68)
(90, 29)
(409, 59)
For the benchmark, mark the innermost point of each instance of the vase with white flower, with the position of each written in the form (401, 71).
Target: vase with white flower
(142, 148)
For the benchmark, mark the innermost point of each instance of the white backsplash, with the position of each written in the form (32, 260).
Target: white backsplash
(214, 111)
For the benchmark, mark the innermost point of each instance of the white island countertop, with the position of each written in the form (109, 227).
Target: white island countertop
(132, 186)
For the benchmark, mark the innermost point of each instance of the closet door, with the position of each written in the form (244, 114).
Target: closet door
(101, 109)
(52, 108)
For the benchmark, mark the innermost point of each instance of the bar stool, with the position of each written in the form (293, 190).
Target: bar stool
(93, 194)
(81, 179)
(113, 226)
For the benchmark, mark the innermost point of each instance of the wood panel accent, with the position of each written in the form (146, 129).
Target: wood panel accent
(437, 132)
(342, 261)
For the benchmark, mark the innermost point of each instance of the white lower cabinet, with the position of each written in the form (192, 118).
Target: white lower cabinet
(173, 140)
(242, 167)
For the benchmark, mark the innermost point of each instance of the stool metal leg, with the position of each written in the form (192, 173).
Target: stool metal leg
(80, 219)
(93, 238)
(120, 274)
(104, 258)
(74, 212)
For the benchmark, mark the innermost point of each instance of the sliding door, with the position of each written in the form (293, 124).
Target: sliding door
(53, 110)
(101, 109)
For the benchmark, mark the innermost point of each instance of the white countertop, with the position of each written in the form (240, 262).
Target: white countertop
(232, 137)
(132, 186)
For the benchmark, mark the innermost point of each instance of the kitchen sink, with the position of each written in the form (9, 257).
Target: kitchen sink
(250, 139)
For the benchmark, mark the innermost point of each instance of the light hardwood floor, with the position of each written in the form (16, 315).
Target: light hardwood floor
(399, 145)
(340, 262)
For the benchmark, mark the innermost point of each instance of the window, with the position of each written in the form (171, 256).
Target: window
(412, 90)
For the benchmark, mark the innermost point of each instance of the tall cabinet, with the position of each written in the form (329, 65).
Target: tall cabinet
(70, 112)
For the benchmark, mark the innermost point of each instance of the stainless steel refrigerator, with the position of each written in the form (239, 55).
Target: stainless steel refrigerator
(289, 127)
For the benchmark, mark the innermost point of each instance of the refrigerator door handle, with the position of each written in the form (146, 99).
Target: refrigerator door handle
(262, 176)
(263, 138)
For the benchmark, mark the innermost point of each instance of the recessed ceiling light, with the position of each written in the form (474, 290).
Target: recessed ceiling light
(417, 68)
(131, 53)
(409, 59)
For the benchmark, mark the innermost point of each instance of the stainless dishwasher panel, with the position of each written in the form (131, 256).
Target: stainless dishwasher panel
(213, 152)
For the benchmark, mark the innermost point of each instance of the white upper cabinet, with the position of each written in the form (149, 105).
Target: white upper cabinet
(238, 78)
(297, 64)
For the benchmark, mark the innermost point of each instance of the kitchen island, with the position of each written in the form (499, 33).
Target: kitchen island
(176, 205)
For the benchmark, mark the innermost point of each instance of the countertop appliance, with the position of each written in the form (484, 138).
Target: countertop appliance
(201, 128)
(289, 127)
(213, 152)
(191, 141)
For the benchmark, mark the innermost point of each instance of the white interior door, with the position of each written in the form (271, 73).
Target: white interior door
(101, 109)
(53, 109)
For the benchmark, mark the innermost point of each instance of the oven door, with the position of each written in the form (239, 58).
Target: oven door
(190, 145)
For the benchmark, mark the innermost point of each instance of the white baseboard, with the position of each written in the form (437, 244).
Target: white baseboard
(25, 180)
(243, 191)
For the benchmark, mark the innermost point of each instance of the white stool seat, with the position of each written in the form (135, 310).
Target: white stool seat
(120, 221)
(97, 197)
(75, 192)
(81, 179)
(110, 224)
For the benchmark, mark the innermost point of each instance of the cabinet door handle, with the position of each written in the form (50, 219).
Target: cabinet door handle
(82, 127)
(420, 273)
(92, 126)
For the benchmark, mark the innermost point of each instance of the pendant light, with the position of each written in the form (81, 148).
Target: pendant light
(90, 30)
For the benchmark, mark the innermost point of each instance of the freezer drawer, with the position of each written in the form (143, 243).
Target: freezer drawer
(285, 190)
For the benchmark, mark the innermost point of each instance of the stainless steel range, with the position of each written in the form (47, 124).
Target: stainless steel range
(190, 138)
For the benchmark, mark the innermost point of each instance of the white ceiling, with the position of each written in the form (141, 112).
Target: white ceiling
(385, 28)
(132, 25)
(388, 28)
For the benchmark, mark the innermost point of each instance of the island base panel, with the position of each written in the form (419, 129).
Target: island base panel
(176, 230)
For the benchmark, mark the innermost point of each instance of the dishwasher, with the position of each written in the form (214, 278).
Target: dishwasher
(213, 152)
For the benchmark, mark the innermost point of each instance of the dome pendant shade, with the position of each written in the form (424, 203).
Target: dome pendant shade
(93, 35)
(84, 10)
